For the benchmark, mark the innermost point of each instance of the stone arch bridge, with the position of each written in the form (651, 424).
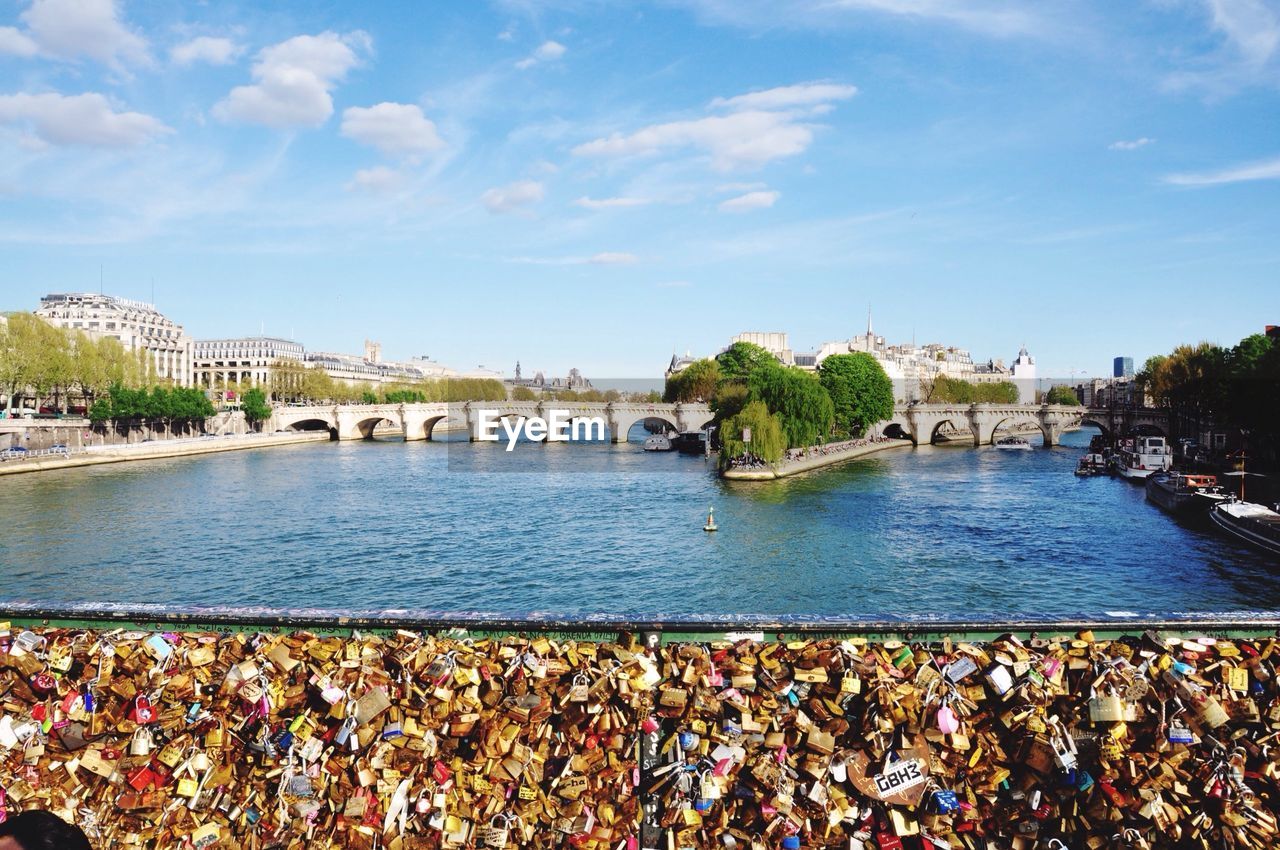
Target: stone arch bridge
(419, 421)
(921, 422)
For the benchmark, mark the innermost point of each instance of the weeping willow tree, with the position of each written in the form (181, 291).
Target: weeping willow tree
(768, 441)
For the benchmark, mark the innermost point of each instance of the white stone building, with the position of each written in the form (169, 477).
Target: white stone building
(1024, 375)
(137, 325)
(229, 364)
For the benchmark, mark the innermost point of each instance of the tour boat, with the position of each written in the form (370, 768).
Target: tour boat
(1180, 493)
(658, 443)
(691, 443)
(1255, 524)
(1014, 443)
(1138, 457)
(1092, 464)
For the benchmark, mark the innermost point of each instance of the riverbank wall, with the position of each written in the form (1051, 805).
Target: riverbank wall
(786, 468)
(158, 450)
(606, 734)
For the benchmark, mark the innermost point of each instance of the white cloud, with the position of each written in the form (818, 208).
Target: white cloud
(70, 29)
(1131, 145)
(739, 140)
(783, 97)
(513, 196)
(376, 179)
(750, 201)
(15, 43)
(82, 119)
(1252, 27)
(613, 258)
(610, 203)
(548, 51)
(997, 18)
(1264, 170)
(761, 126)
(214, 51)
(604, 258)
(293, 81)
(396, 129)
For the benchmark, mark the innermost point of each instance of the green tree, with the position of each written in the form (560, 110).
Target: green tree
(729, 401)
(255, 407)
(947, 390)
(797, 399)
(1061, 394)
(523, 394)
(100, 411)
(696, 382)
(742, 359)
(861, 393)
(767, 438)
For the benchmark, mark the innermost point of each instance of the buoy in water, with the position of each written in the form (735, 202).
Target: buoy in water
(711, 521)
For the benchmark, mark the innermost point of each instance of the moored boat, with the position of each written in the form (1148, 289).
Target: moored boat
(1140, 457)
(658, 443)
(1251, 523)
(1180, 493)
(691, 442)
(1092, 463)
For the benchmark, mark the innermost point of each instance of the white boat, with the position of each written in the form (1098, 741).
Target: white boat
(1092, 464)
(1014, 443)
(1139, 457)
(658, 443)
(1255, 524)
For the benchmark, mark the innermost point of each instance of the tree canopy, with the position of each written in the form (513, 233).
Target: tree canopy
(54, 362)
(861, 393)
(767, 438)
(742, 359)
(124, 404)
(799, 401)
(1232, 388)
(947, 390)
(1061, 394)
(255, 407)
(696, 382)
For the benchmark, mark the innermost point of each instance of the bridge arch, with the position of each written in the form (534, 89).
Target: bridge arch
(1148, 429)
(364, 427)
(956, 423)
(989, 436)
(314, 424)
(1098, 423)
(896, 431)
(624, 436)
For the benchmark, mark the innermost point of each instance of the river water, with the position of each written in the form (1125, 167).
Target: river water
(940, 532)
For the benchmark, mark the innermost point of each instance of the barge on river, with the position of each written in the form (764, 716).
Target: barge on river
(1184, 493)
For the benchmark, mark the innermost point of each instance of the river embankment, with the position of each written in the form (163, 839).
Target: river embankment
(809, 461)
(159, 449)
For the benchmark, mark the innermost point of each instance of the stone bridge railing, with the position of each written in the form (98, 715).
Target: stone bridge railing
(921, 422)
(418, 421)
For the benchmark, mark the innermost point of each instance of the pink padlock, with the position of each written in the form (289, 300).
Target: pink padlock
(649, 725)
(947, 722)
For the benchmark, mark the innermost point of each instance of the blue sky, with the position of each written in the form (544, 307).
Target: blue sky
(594, 184)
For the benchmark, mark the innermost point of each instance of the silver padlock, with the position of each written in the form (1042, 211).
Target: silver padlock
(141, 743)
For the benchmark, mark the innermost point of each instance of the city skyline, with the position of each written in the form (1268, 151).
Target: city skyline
(602, 187)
